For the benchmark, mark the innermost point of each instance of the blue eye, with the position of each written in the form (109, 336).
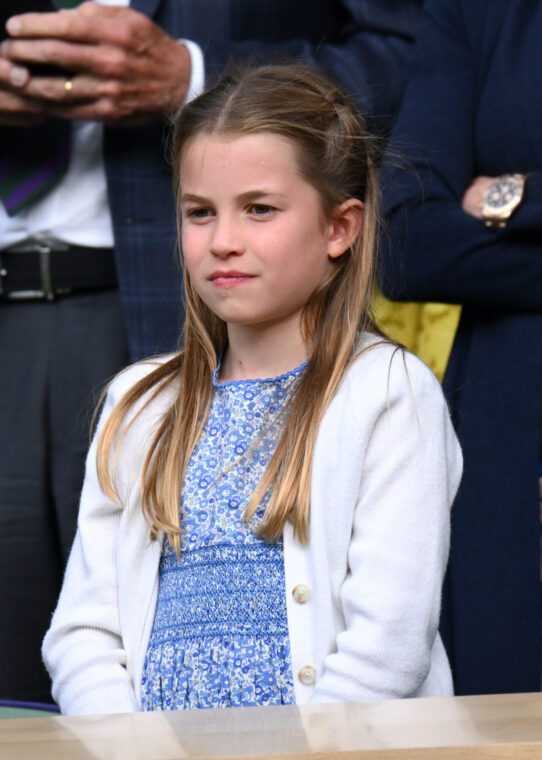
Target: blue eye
(259, 209)
(198, 214)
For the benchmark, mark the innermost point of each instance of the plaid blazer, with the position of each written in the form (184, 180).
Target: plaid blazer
(361, 43)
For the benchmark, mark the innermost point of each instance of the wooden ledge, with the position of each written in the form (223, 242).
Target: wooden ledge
(456, 728)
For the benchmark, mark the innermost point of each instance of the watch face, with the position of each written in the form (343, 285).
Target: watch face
(502, 193)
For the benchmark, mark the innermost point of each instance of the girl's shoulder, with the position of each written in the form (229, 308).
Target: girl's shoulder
(383, 371)
(389, 399)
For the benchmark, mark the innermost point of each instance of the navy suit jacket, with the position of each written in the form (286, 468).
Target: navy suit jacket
(362, 43)
(473, 107)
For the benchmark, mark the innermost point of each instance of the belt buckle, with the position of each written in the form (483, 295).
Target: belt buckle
(44, 251)
(43, 247)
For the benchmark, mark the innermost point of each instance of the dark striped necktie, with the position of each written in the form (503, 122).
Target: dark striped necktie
(33, 159)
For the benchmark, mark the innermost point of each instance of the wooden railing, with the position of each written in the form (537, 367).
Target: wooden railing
(477, 728)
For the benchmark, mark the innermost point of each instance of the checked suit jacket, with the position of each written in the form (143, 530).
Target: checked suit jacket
(363, 44)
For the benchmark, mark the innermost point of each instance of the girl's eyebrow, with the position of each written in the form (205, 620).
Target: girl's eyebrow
(247, 197)
(191, 198)
(257, 194)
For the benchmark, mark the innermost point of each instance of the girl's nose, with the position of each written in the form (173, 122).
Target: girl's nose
(226, 240)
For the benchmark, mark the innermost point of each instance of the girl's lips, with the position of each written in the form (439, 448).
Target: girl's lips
(229, 279)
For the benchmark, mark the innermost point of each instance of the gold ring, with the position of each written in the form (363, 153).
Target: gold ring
(68, 87)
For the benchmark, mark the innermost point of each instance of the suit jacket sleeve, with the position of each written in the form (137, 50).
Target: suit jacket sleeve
(435, 251)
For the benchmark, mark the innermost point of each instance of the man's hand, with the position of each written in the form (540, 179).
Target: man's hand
(472, 199)
(126, 69)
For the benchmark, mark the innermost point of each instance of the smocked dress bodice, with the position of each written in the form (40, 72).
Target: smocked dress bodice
(220, 632)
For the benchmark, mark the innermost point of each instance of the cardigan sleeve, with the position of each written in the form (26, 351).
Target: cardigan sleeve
(83, 649)
(434, 250)
(390, 597)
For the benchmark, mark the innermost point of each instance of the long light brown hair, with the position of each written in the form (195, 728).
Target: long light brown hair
(335, 155)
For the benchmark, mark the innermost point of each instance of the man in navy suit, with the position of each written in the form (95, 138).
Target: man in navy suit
(111, 218)
(465, 227)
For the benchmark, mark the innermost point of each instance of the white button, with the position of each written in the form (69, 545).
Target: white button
(301, 593)
(307, 675)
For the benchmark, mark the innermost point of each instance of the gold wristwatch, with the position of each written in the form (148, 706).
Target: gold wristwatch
(501, 199)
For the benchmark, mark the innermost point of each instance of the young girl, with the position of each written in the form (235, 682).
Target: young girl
(265, 513)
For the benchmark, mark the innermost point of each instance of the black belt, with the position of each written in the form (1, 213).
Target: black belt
(45, 273)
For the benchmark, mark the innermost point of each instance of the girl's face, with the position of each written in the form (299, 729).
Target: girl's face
(255, 240)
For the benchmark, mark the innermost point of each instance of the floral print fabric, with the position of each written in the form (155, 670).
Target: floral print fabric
(220, 632)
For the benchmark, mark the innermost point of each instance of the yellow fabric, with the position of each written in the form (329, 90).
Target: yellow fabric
(426, 329)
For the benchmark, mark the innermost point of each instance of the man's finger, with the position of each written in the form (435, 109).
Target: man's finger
(65, 55)
(13, 102)
(60, 24)
(89, 23)
(16, 110)
(55, 89)
(101, 109)
(12, 74)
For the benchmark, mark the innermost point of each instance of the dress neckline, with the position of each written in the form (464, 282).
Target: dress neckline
(256, 380)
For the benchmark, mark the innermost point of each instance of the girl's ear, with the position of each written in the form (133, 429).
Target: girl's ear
(345, 225)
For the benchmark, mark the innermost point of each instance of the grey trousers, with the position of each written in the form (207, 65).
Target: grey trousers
(55, 359)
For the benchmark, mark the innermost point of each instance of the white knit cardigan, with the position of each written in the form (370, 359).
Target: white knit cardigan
(386, 467)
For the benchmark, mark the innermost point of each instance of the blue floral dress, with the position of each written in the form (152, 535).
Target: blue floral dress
(220, 632)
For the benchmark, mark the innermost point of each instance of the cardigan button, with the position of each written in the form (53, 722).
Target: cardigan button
(307, 675)
(301, 593)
